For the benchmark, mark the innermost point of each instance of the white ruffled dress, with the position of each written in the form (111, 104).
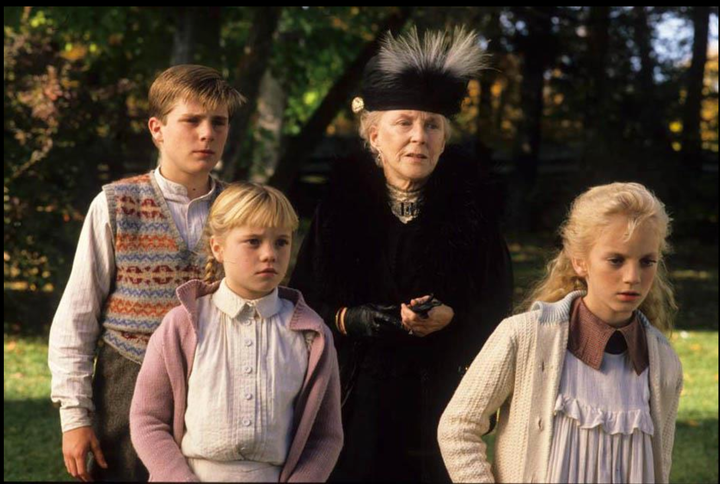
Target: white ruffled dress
(602, 429)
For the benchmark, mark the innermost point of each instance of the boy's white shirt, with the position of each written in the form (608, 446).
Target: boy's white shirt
(75, 328)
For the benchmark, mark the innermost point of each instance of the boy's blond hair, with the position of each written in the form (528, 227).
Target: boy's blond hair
(191, 82)
(245, 204)
(589, 213)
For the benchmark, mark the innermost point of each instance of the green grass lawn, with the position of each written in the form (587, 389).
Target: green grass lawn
(695, 456)
(32, 426)
(32, 443)
(32, 438)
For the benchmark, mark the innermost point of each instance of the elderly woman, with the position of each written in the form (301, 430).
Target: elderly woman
(404, 261)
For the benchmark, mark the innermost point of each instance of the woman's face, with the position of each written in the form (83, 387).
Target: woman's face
(409, 143)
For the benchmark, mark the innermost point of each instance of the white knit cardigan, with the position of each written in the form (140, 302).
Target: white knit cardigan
(518, 371)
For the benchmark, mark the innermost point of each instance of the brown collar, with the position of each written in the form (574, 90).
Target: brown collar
(589, 337)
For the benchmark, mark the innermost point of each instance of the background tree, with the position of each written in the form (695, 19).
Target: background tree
(575, 96)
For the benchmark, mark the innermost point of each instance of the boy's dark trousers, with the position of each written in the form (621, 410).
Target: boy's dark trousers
(113, 386)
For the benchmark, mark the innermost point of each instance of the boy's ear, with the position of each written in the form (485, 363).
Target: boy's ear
(217, 249)
(155, 127)
(580, 266)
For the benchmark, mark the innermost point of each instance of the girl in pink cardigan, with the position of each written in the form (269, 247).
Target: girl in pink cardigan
(240, 382)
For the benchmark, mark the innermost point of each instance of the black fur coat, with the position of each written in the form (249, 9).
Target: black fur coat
(357, 252)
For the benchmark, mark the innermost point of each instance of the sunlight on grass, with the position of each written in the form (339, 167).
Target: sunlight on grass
(32, 427)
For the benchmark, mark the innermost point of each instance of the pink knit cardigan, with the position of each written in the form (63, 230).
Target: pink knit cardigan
(157, 413)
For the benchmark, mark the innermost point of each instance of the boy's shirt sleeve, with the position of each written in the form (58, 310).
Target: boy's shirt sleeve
(75, 327)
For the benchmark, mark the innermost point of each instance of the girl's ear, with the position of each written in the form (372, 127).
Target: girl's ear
(580, 266)
(216, 248)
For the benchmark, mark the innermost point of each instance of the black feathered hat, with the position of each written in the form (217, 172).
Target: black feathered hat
(429, 75)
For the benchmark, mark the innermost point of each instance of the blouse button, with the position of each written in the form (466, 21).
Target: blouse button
(248, 369)
(246, 422)
(540, 424)
(248, 396)
(248, 342)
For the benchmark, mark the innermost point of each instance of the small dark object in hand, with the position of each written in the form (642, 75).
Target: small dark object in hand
(424, 308)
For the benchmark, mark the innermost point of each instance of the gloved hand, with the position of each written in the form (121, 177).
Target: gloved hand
(373, 320)
(424, 308)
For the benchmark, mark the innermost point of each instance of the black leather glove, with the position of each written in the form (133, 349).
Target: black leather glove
(423, 309)
(373, 320)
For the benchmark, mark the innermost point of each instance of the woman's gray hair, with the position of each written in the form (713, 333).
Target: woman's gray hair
(370, 119)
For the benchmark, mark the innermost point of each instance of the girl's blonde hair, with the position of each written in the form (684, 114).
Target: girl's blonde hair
(589, 214)
(245, 204)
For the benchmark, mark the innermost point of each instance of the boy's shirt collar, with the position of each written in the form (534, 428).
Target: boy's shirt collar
(176, 192)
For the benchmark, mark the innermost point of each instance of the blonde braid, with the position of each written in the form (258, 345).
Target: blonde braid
(211, 269)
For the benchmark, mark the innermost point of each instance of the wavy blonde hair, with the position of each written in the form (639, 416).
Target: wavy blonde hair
(245, 204)
(589, 214)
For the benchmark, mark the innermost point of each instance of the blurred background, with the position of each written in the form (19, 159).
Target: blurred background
(576, 96)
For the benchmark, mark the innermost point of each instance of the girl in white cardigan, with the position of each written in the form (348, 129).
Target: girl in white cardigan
(587, 385)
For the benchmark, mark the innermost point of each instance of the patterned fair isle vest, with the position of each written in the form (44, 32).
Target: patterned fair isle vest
(151, 261)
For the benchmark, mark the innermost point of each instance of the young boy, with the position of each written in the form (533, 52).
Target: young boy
(140, 240)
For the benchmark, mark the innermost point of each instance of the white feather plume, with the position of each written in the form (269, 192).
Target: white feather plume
(459, 55)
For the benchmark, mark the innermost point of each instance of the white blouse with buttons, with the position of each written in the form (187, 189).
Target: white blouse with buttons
(249, 367)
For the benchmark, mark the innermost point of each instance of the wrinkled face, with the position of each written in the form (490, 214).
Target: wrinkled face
(409, 143)
(619, 273)
(255, 259)
(191, 140)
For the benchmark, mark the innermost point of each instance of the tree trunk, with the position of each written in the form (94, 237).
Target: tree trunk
(184, 38)
(272, 101)
(651, 117)
(248, 74)
(196, 35)
(483, 122)
(598, 37)
(537, 49)
(300, 147)
(596, 123)
(691, 144)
